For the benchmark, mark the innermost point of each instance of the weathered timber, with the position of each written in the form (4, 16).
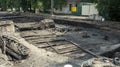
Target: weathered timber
(87, 51)
(14, 54)
(14, 46)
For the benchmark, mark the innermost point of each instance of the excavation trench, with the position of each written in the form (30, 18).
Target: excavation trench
(74, 23)
(88, 36)
(109, 54)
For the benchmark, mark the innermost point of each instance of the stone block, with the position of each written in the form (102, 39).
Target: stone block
(7, 26)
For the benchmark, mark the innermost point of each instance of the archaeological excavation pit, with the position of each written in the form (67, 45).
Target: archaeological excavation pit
(78, 41)
(57, 39)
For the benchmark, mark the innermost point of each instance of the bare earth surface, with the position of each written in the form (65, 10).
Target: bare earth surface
(39, 57)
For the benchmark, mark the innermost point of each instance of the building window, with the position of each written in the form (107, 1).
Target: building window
(76, 5)
(70, 6)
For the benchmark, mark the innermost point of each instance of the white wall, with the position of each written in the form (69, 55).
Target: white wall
(85, 10)
(89, 9)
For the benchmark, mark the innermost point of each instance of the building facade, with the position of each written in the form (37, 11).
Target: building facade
(67, 9)
(83, 8)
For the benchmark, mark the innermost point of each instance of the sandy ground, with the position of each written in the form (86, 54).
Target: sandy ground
(41, 58)
(95, 44)
(4, 61)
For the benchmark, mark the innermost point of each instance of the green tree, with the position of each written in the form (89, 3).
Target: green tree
(36, 4)
(57, 4)
(3, 4)
(110, 9)
(30, 5)
(90, 1)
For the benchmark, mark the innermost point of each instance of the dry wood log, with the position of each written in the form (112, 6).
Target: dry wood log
(14, 54)
(14, 47)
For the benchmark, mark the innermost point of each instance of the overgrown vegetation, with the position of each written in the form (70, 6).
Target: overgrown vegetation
(30, 5)
(24, 5)
(57, 4)
(110, 9)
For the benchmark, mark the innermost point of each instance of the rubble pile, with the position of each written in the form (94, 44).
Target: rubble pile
(43, 24)
(46, 23)
(10, 41)
(108, 61)
(11, 45)
(98, 62)
(117, 58)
